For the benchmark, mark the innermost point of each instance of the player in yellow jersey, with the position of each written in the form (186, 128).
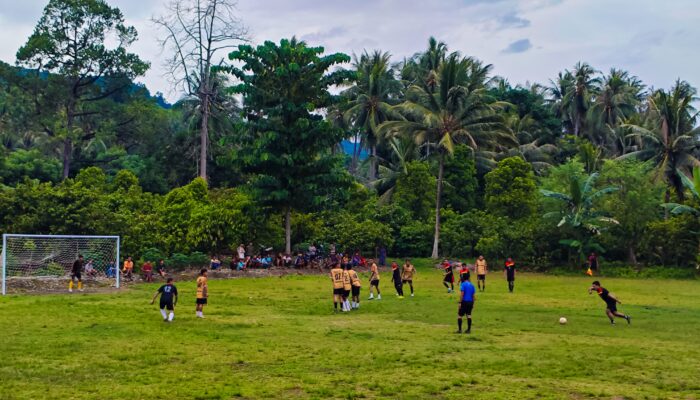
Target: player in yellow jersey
(356, 285)
(374, 280)
(337, 279)
(347, 286)
(407, 274)
(202, 292)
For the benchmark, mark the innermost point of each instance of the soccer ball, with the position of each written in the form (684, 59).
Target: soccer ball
(562, 321)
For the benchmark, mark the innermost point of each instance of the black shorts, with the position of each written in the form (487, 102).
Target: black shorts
(76, 275)
(202, 301)
(449, 278)
(465, 308)
(481, 277)
(510, 278)
(409, 281)
(374, 282)
(611, 306)
(355, 290)
(346, 293)
(168, 305)
(338, 291)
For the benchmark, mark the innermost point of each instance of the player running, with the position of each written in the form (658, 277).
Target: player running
(76, 274)
(347, 287)
(481, 270)
(509, 273)
(337, 279)
(407, 274)
(202, 292)
(610, 301)
(448, 279)
(467, 297)
(396, 278)
(356, 285)
(374, 281)
(168, 300)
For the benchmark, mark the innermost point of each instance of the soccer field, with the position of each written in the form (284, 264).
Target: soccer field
(278, 337)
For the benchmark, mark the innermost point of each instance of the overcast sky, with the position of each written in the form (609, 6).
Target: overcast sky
(525, 40)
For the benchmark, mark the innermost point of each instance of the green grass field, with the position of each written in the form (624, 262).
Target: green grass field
(277, 337)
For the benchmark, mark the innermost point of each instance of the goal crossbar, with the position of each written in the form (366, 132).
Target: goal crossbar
(81, 243)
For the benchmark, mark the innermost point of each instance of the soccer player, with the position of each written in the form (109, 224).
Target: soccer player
(202, 292)
(347, 287)
(481, 271)
(76, 274)
(396, 278)
(610, 301)
(509, 273)
(467, 297)
(337, 279)
(374, 281)
(407, 274)
(448, 279)
(464, 271)
(356, 285)
(168, 300)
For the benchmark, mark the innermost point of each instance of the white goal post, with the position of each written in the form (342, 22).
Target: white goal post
(46, 256)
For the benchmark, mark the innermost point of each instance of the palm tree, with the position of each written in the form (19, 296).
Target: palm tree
(579, 96)
(693, 186)
(558, 90)
(669, 136)
(618, 100)
(579, 214)
(459, 109)
(403, 151)
(370, 100)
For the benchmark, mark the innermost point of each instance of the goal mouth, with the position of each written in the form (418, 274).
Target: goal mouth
(51, 258)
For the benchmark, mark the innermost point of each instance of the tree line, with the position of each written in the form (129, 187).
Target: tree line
(445, 158)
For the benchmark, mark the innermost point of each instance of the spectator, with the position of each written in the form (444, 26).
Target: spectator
(111, 271)
(312, 251)
(215, 263)
(300, 262)
(147, 269)
(241, 264)
(266, 261)
(128, 269)
(278, 260)
(355, 259)
(331, 249)
(382, 256)
(287, 260)
(241, 252)
(250, 250)
(160, 268)
(90, 269)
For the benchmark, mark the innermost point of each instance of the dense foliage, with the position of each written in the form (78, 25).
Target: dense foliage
(460, 162)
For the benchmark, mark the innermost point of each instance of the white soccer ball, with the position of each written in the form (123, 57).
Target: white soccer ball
(562, 321)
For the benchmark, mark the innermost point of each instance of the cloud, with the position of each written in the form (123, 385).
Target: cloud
(320, 36)
(519, 46)
(512, 20)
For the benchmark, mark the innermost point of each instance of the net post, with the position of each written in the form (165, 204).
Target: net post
(116, 262)
(4, 262)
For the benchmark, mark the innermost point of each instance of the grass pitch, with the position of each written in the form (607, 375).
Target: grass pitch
(277, 337)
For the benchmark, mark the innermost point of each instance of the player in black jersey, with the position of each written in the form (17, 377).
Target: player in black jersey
(610, 302)
(168, 300)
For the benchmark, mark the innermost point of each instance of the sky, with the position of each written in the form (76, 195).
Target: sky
(524, 40)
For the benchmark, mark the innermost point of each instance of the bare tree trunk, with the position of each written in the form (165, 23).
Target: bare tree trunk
(436, 241)
(288, 231)
(632, 255)
(204, 138)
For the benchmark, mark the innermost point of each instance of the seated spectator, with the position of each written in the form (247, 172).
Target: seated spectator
(160, 268)
(356, 259)
(233, 263)
(241, 265)
(300, 261)
(90, 269)
(147, 270)
(111, 271)
(279, 260)
(287, 260)
(312, 251)
(266, 261)
(215, 263)
(241, 252)
(128, 268)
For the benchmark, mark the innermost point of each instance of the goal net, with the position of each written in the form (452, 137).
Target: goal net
(44, 257)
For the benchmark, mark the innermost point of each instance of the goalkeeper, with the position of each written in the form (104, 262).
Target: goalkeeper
(76, 274)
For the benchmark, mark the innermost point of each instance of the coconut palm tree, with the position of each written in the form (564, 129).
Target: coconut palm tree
(370, 100)
(691, 183)
(619, 99)
(579, 97)
(558, 89)
(458, 110)
(669, 135)
(403, 150)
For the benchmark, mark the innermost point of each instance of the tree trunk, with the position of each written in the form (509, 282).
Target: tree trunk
(67, 142)
(373, 163)
(632, 255)
(288, 231)
(355, 156)
(436, 241)
(204, 138)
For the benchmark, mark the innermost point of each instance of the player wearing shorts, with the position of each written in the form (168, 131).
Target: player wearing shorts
(448, 279)
(396, 279)
(202, 292)
(374, 280)
(481, 270)
(337, 279)
(509, 273)
(407, 274)
(356, 285)
(76, 274)
(168, 300)
(464, 271)
(347, 287)
(611, 302)
(467, 297)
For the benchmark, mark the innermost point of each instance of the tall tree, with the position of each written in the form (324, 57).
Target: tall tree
(196, 32)
(618, 100)
(70, 41)
(579, 97)
(288, 144)
(459, 110)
